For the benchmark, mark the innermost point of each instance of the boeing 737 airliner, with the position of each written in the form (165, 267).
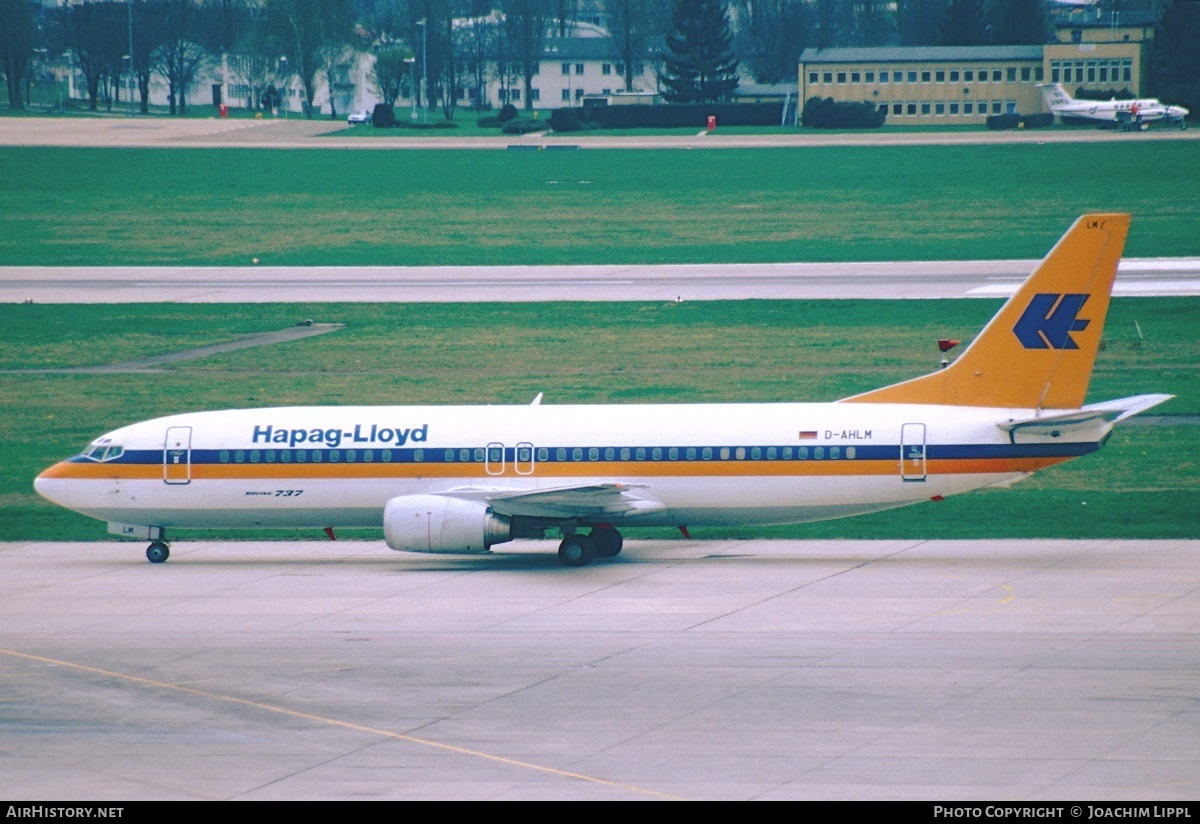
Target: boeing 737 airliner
(462, 479)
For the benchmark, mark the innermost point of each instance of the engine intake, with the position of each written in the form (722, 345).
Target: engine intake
(435, 523)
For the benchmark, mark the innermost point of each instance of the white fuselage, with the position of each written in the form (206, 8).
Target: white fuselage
(679, 464)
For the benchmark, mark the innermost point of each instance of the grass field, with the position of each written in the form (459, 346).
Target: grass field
(363, 207)
(1145, 483)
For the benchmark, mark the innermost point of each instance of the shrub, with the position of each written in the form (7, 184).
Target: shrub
(1037, 121)
(565, 120)
(384, 116)
(521, 126)
(680, 115)
(509, 112)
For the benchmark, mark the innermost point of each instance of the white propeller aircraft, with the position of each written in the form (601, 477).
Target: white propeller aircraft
(461, 479)
(1129, 113)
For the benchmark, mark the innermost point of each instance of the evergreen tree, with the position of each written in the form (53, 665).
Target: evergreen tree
(964, 24)
(1175, 59)
(700, 63)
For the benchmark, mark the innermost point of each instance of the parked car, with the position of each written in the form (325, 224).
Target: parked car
(358, 118)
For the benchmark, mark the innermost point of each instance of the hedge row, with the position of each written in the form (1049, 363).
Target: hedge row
(682, 115)
(1014, 120)
(827, 113)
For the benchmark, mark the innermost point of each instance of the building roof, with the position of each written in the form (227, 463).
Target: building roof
(921, 54)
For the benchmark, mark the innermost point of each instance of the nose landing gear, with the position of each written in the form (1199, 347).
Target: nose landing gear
(157, 552)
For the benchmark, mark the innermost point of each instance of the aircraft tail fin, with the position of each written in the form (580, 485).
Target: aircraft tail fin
(1055, 95)
(1039, 349)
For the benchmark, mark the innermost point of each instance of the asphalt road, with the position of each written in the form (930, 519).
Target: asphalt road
(940, 670)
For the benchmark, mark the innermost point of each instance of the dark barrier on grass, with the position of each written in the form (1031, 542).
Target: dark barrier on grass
(691, 114)
(1004, 121)
(1037, 121)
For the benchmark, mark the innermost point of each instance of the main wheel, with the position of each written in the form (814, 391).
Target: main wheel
(576, 551)
(607, 541)
(158, 552)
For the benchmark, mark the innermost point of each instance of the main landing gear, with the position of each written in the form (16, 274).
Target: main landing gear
(578, 550)
(157, 552)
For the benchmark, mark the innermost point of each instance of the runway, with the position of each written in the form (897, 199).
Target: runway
(415, 284)
(937, 670)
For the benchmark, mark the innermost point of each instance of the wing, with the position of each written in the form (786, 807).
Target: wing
(608, 500)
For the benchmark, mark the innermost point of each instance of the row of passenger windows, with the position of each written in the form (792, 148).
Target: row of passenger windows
(1009, 74)
(495, 454)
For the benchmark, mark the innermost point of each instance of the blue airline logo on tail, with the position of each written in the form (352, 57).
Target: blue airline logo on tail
(1049, 321)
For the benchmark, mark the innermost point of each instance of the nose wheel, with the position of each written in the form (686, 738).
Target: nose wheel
(158, 552)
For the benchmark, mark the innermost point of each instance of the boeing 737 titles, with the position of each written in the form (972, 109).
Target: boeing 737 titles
(1129, 113)
(461, 479)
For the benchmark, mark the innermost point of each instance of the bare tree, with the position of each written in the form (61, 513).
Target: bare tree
(18, 35)
(632, 24)
(91, 32)
(525, 27)
(476, 40)
(773, 34)
(390, 72)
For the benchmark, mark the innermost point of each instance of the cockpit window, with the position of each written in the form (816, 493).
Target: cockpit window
(103, 451)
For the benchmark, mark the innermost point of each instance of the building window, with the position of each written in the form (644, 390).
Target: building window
(939, 76)
(578, 68)
(1010, 107)
(968, 108)
(535, 94)
(1127, 70)
(566, 68)
(911, 108)
(897, 77)
(983, 75)
(968, 76)
(566, 95)
(579, 94)
(912, 77)
(841, 77)
(925, 77)
(925, 108)
(939, 108)
(897, 109)
(514, 94)
(827, 77)
(954, 75)
(995, 75)
(953, 107)
(996, 107)
(869, 77)
(606, 68)
(1103, 72)
(812, 78)
(1011, 74)
(855, 77)
(1026, 73)
(883, 77)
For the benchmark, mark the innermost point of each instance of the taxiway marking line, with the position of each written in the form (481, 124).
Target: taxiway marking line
(386, 734)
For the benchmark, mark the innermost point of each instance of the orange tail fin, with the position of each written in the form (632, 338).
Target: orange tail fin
(1038, 351)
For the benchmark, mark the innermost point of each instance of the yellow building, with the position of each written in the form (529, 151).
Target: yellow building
(922, 85)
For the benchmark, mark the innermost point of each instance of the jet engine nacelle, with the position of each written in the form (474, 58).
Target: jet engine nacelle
(435, 523)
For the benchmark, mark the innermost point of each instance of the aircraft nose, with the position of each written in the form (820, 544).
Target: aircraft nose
(50, 485)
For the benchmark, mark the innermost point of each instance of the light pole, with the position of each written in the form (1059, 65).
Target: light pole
(412, 87)
(424, 71)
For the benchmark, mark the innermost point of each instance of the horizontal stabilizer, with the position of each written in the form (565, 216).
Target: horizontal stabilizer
(1091, 423)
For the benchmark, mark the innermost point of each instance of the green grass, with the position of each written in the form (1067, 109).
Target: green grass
(1146, 483)
(381, 207)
